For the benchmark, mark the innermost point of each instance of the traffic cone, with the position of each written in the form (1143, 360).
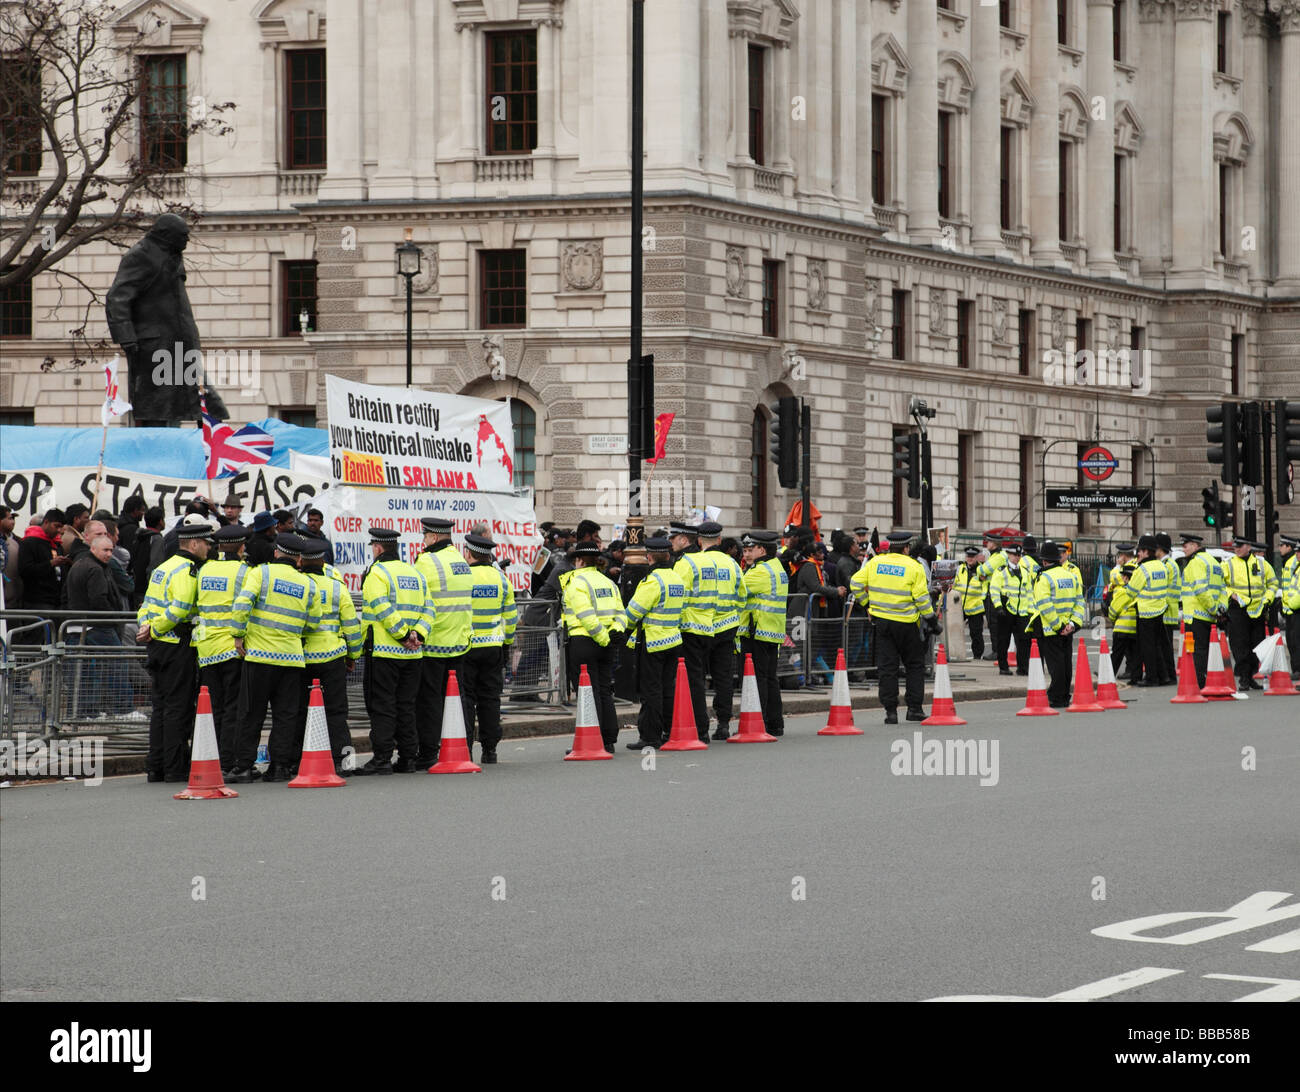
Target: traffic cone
(1279, 682)
(840, 720)
(1011, 652)
(588, 746)
(206, 782)
(1036, 704)
(684, 736)
(751, 712)
(1225, 650)
(1085, 698)
(453, 753)
(1268, 632)
(316, 770)
(1220, 685)
(943, 714)
(1107, 691)
(1188, 692)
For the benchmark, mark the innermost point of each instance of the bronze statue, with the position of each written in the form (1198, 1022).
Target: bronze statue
(149, 316)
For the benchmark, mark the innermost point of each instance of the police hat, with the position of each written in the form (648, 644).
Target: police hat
(1013, 547)
(233, 532)
(1239, 541)
(1164, 542)
(862, 530)
(1258, 546)
(1288, 540)
(1049, 551)
(382, 534)
(710, 529)
(1129, 569)
(1125, 547)
(288, 543)
(973, 551)
(897, 538)
(681, 527)
(312, 548)
(1187, 537)
(1147, 542)
(582, 549)
(481, 544)
(263, 521)
(194, 526)
(658, 545)
(759, 538)
(436, 525)
(1029, 544)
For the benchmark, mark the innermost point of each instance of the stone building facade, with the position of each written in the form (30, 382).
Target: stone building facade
(856, 201)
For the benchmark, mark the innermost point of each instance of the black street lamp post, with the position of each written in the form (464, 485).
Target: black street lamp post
(408, 266)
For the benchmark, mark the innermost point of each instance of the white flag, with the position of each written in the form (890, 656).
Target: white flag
(114, 404)
(1266, 651)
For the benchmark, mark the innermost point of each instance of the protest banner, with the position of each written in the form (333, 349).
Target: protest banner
(409, 438)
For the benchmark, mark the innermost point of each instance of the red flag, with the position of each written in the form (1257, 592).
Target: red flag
(662, 424)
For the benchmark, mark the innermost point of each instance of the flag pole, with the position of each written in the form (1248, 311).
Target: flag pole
(99, 472)
(207, 455)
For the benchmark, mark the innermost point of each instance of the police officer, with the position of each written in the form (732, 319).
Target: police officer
(1058, 613)
(653, 617)
(330, 651)
(275, 607)
(164, 618)
(1122, 610)
(492, 634)
(1290, 587)
(395, 620)
(767, 587)
(1008, 593)
(1272, 589)
(220, 667)
(1150, 586)
(447, 574)
(594, 619)
(728, 599)
(969, 590)
(1244, 590)
(1173, 603)
(1200, 599)
(697, 616)
(897, 595)
(988, 568)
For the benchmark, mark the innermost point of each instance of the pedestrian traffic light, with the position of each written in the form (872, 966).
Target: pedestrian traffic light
(1252, 439)
(1223, 432)
(1226, 517)
(1210, 504)
(1286, 422)
(785, 441)
(907, 462)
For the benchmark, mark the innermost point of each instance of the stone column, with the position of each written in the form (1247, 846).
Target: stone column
(781, 160)
(1254, 104)
(1151, 174)
(715, 62)
(344, 102)
(740, 97)
(548, 99)
(1193, 176)
(986, 130)
(1099, 227)
(862, 39)
(922, 122)
(394, 41)
(844, 94)
(672, 113)
(467, 79)
(1288, 148)
(427, 37)
(1044, 136)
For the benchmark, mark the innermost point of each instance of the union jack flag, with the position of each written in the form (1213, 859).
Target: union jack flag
(229, 449)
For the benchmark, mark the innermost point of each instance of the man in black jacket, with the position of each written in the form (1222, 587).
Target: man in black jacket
(142, 552)
(128, 521)
(40, 564)
(261, 544)
(100, 683)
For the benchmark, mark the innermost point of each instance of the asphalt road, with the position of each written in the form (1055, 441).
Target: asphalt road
(679, 882)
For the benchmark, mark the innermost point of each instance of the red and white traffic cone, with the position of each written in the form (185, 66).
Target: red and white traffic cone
(840, 720)
(1220, 684)
(1225, 650)
(943, 714)
(684, 735)
(1011, 652)
(1279, 682)
(1107, 691)
(206, 782)
(1188, 692)
(1085, 698)
(316, 770)
(1036, 703)
(453, 752)
(751, 712)
(588, 746)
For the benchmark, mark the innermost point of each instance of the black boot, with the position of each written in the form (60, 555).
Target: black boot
(382, 766)
(278, 771)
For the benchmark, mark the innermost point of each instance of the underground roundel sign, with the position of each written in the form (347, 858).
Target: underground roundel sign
(1097, 464)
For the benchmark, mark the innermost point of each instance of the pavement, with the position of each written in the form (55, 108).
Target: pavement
(809, 868)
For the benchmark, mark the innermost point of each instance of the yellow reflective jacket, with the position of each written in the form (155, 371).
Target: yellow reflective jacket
(171, 599)
(699, 579)
(214, 630)
(494, 616)
(656, 606)
(274, 609)
(894, 588)
(394, 604)
(728, 589)
(339, 631)
(767, 588)
(448, 576)
(592, 605)
(971, 587)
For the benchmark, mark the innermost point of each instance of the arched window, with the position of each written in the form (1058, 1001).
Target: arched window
(524, 422)
(758, 469)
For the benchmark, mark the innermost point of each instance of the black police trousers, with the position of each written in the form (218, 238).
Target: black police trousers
(1056, 651)
(1244, 633)
(333, 675)
(281, 688)
(900, 642)
(599, 662)
(390, 687)
(1200, 648)
(765, 655)
(223, 682)
(656, 686)
(1010, 625)
(481, 679)
(1151, 661)
(434, 673)
(722, 670)
(696, 649)
(174, 672)
(975, 627)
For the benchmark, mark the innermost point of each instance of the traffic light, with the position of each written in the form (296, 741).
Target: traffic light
(907, 462)
(1286, 421)
(785, 441)
(1223, 433)
(1210, 504)
(1252, 439)
(1226, 518)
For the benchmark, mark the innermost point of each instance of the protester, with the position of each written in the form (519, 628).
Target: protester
(128, 521)
(142, 551)
(77, 516)
(12, 596)
(100, 686)
(41, 564)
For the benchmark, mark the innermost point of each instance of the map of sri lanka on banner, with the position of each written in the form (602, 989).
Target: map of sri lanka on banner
(407, 438)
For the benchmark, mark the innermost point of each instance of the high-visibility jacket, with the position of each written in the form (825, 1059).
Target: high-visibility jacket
(1200, 599)
(449, 579)
(1011, 590)
(275, 607)
(171, 598)
(1123, 611)
(1150, 586)
(1271, 586)
(1291, 584)
(971, 587)
(1116, 571)
(767, 588)
(894, 587)
(699, 579)
(1242, 577)
(214, 630)
(1058, 599)
(592, 606)
(989, 567)
(493, 618)
(1174, 593)
(728, 590)
(656, 606)
(394, 603)
(339, 632)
